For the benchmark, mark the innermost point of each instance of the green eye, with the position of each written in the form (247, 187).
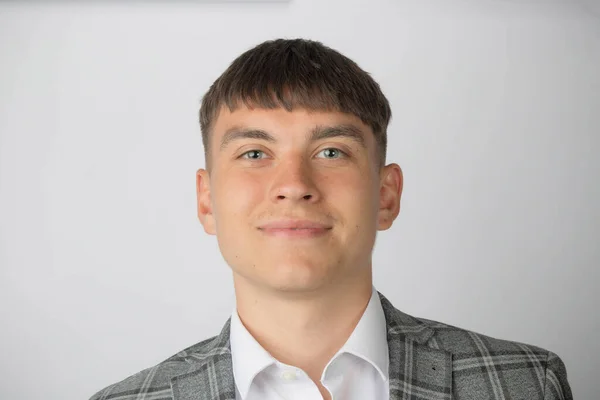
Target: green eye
(332, 151)
(251, 152)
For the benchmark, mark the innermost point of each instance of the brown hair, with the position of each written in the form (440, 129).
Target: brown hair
(297, 73)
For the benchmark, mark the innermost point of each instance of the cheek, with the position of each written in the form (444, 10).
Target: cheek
(357, 189)
(355, 197)
(236, 196)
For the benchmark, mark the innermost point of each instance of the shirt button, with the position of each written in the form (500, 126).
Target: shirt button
(289, 375)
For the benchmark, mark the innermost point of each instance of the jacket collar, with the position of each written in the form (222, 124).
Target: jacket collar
(417, 368)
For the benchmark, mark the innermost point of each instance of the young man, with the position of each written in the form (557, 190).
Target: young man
(295, 189)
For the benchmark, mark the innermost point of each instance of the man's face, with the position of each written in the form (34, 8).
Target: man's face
(279, 167)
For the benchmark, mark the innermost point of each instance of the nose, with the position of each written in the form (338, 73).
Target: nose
(294, 181)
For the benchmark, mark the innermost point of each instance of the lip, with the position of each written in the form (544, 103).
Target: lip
(295, 228)
(294, 224)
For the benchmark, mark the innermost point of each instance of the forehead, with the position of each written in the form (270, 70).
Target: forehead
(280, 122)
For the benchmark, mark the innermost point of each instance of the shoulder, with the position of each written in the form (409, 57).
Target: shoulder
(500, 362)
(463, 342)
(156, 380)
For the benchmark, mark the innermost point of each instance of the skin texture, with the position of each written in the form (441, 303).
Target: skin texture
(301, 298)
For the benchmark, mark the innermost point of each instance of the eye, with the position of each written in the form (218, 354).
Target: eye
(330, 152)
(333, 153)
(252, 155)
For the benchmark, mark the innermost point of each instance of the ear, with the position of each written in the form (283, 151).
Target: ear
(390, 192)
(205, 212)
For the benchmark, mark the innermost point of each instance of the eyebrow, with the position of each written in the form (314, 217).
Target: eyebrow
(320, 132)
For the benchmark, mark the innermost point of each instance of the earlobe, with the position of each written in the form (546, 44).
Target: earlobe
(392, 182)
(205, 213)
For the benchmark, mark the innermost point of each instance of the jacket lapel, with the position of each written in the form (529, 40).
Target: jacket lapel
(211, 373)
(418, 370)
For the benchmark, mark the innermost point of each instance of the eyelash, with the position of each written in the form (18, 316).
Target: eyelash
(343, 154)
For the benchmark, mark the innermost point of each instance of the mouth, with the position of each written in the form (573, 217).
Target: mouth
(295, 232)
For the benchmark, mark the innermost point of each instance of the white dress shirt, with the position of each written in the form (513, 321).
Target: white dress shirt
(359, 370)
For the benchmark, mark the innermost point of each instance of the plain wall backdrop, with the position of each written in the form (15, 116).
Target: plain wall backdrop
(105, 269)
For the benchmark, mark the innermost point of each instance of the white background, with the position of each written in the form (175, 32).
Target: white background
(105, 269)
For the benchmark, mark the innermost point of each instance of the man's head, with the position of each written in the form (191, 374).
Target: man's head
(297, 74)
(294, 130)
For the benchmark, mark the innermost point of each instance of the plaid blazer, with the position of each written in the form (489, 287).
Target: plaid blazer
(428, 361)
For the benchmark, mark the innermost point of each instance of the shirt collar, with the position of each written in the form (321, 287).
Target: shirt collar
(368, 341)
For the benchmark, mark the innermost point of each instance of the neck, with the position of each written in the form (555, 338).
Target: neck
(303, 329)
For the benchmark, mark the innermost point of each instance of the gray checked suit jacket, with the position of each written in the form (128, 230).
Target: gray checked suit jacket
(428, 361)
